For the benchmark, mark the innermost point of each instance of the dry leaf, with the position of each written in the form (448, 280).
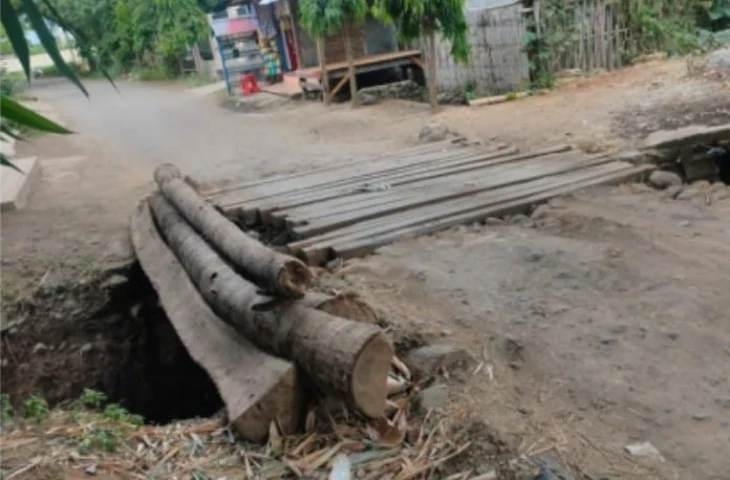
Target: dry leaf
(276, 442)
(388, 434)
(311, 421)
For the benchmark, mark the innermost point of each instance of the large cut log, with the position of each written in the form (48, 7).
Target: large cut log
(346, 305)
(256, 388)
(272, 271)
(342, 357)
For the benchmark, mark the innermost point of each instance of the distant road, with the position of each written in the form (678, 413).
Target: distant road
(11, 64)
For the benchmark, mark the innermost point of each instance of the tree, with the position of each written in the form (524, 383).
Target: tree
(415, 19)
(327, 17)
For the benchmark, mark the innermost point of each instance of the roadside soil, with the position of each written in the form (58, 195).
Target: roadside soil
(617, 300)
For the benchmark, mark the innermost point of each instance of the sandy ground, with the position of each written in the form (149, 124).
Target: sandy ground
(620, 302)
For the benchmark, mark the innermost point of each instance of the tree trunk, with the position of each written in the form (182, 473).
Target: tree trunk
(431, 71)
(350, 66)
(256, 388)
(344, 358)
(274, 272)
(323, 70)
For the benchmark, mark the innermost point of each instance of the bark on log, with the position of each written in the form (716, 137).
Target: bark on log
(272, 271)
(346, 305)
(255, 387)
(342, 357)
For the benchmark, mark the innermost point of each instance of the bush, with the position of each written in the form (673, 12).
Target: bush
(52, 70)
(151, 74)
(11, 83)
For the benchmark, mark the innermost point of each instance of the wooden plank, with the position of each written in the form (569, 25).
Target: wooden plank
(360, 62)
(322, 223)
(256, 388)
(368, 245)
(420, 148)
(312, 247)
(393, 178)
(312, 178)
(333, 200)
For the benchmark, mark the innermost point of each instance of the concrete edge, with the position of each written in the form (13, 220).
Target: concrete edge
(16, 186)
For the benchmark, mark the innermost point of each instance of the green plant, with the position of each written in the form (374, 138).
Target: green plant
(117, 413)
(104, 438)
(327, 17)
(425, 18)
(511, 96)
(6, 409)
(92, 398)
(36, 409)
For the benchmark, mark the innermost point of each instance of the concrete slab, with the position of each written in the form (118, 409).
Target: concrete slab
(15, 185)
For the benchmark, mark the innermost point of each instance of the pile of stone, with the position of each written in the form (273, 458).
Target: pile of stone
(701, 191)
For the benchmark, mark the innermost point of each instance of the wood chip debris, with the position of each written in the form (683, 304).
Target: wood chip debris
(335, 445)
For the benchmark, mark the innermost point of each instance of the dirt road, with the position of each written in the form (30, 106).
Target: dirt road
(618, 300)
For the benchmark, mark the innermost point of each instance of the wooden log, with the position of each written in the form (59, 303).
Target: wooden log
(346, 305)
(274, 272)
(256, 388)
(342, 357)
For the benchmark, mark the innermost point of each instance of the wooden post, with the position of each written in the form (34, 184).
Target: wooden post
(350, 66)
(323, 71)
(431, 74)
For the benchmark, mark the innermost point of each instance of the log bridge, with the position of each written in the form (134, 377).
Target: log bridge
(350, 209)
(244, 310)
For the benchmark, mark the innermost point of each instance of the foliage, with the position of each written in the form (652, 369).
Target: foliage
(675, 27)
(416, 18)
(92, 398)
(117, 413)
(6, 409)
(104, 438)
(36, 409)
(327, 17)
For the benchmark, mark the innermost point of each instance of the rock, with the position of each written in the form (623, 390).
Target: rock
(718, 187)
(672, 191)
(434, 397)
(85, 348)
(493, 221)
(39, 348)
(643, 449)
(720, 195)
(431, 359)
(368, 99)
(688, 194)
(702, 185)
(522, 221)
(90, 470)
(433, 132)
(701, 416)
(664, 179)
(454, 97)
(719, 60)
(557, 203)
(684, 224)
(540, 212)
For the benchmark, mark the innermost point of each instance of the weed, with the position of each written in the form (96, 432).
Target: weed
(104, 438)
(511, 96)
(117, 413)
(93, 398)
(6, 410)
(36, 409)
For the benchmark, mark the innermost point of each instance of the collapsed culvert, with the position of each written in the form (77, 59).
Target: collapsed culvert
(106, 335)
(695, 153)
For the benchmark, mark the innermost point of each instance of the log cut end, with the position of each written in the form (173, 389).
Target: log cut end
(370, 374)
(167, 171)
(294, 278)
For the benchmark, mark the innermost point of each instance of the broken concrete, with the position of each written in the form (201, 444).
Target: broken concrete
(690, 135)
(16, 186)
